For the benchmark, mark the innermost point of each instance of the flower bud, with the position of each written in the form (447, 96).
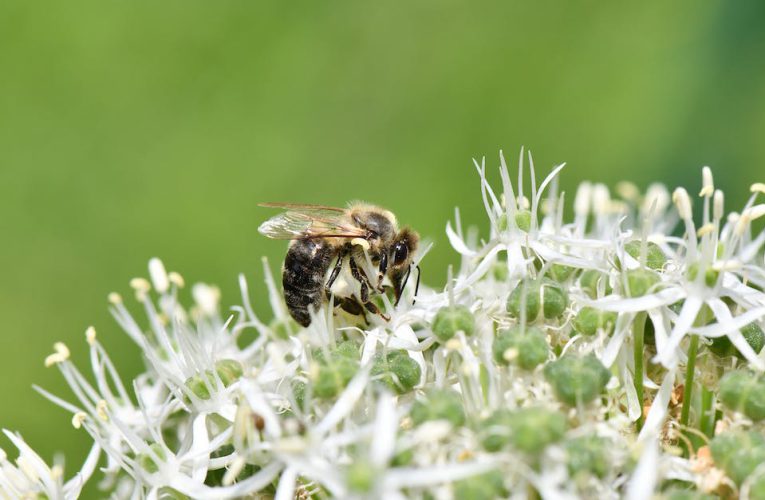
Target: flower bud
(522, 220)
(439, 404)
(552, 298)
(738, 453)
(530, 345)
(577, 379)
(745, 393)
(334, 371)
(451, 319)
(589, 320)
(533, 428)
(396, 370)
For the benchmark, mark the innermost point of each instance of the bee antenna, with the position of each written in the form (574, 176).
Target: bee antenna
(417, 284)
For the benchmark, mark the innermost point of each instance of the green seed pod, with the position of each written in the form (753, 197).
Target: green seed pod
(298, 392)
(577, 379)
(723, 347)
(639, 282)
(487, 486)
(198, 386)
(552, 297)
(588, 455)
(494, 431)
(334, 374)
(146, 459)
(451, 319)
(360, 476)
(654, 257)
(396, 370)
(591, 280)
(710, 275)
(529, 348)
(523, 220)
(561, 273)
(229, 371)
(745, 393)
(589, 320)
(738, 453)
(439, 404)
(532, 429)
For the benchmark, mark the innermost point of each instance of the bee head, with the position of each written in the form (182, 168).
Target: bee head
(403, 248)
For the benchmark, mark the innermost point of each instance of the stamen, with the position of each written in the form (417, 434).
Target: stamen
(158, 275)
(707, 182)
(61, 355)
(90, 335)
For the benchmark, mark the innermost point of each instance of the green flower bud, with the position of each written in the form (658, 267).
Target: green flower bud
(439, 404)
(528, 348)
(451, 319)
(654, 258)
(146, 459)
(552, 297)
(360, 476)
(577, 379)
(561, 273)
(723, 347)
(487, 486)
(745, 393)
(710, 275)
(532, 429)
(591, 280)
(588, 455)
(589, 320)
(639, 282)
(396, 370)
(738, 453)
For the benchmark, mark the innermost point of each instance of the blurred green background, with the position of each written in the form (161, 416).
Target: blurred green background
(138, 129)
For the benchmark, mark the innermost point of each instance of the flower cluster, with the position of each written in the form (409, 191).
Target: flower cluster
(616, 355)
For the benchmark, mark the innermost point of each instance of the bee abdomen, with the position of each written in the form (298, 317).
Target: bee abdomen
(305, 266)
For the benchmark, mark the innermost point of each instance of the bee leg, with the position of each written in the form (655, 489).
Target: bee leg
(335, 272)
(371, 307)
(351, 305)
(358, 274)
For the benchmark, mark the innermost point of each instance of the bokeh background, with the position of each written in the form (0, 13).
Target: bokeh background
(143, 128)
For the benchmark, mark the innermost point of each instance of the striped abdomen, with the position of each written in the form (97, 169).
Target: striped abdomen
(303, 275)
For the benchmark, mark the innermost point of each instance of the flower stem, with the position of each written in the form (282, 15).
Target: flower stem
(638, 332)
(688, 389)
(707, 425)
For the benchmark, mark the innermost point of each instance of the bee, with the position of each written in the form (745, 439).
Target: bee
(331, 252)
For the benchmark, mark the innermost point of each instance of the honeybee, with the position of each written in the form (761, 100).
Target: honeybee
(353, 238)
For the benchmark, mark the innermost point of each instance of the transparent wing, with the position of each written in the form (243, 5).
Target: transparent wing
(308, 221)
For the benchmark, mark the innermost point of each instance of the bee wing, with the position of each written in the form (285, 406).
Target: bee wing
(308, 221)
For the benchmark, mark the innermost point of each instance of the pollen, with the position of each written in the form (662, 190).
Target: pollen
(60, 355)
(78, 418)
(90, 335)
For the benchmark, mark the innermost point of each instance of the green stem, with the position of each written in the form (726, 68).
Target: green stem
(707, 413)
(638, 332)
(688, 389)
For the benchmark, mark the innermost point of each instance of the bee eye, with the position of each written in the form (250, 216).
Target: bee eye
(400, 253)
